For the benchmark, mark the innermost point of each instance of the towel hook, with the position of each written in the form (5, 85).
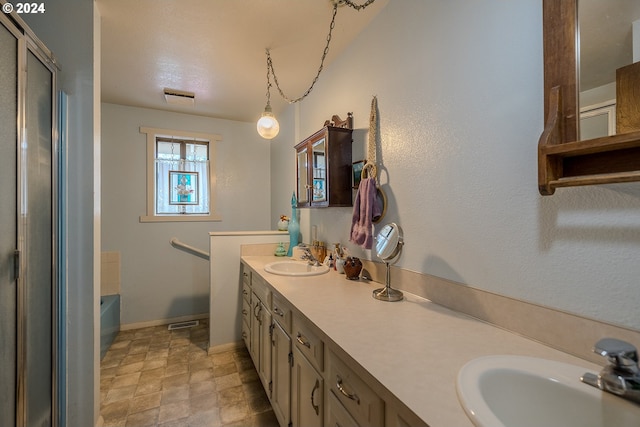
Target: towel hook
(370, 170)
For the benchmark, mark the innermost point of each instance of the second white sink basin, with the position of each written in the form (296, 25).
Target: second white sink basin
(295, 268)
(520, 391)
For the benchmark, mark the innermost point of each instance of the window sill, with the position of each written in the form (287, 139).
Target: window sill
(180, 218)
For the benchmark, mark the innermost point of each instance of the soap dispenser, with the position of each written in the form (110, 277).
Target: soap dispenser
(280, 250)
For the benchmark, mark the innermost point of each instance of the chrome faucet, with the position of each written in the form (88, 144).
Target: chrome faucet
(307, 255)
(621, 376)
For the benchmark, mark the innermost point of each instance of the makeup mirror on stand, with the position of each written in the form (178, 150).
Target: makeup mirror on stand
(388, 246)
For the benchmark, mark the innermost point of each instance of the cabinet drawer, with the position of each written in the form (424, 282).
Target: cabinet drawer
(246, 312)
(308, 342)
(246, 292)
(338, 415)
(260, 289)
(364, 405)
(281, 311)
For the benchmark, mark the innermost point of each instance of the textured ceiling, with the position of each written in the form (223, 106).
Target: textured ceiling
(216, 49)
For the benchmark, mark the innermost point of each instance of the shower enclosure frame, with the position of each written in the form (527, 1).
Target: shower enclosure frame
(33, 52)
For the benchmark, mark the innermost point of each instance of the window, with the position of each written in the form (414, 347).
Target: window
(180, 176)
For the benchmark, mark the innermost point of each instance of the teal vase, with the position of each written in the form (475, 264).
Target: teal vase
(294, 226)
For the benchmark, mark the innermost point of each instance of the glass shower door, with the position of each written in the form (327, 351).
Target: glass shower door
(28, 288)
(36, 214)
(8, 223)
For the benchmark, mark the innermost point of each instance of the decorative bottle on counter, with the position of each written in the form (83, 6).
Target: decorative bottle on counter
(294, 226)
(280, 250)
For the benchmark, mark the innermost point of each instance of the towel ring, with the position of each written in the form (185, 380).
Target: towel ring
(369, 170)
(366, 174)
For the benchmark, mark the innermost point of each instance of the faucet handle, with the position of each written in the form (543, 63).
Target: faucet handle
(621, 354)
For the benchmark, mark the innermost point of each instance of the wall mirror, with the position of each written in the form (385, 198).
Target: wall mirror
(564, 158)
(389, 242)
(607, 42)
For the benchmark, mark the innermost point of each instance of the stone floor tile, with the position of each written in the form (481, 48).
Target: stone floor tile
(201, 375)
(148, 418)
(222, 358)
(230, 396)
(175, 394)
(174, 411)
(153, 364)
(175, 381)
(133, 358)
(210, 418)
(125, 380)
(199, 364)
(259, 404)
(225, 369)
(248, 376)
(228, 381)
(153, 373)
(159, 378)
(149, 386)
(236, 412)
(203, 402)
(157, 354)
(204, 387)
(115, 411)
(122, 393)
(145, 402)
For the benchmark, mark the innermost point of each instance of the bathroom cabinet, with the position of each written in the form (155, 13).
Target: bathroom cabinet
(323, 168)
(260, 329)
(307, 393)
(281, 360)
(309, 380)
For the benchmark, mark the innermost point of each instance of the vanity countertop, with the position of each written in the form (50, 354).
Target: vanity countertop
(413, 347)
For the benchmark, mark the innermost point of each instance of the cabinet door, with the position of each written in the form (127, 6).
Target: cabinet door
(302, 163)
(246, 322)
(307, 392)
(319, 171)
(338, 415)
(264, 368)
(281, 374)
(254, 348)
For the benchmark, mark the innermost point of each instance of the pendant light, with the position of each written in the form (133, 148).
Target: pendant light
(268, 127)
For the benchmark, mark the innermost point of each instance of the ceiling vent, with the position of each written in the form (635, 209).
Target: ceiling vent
(179, 97)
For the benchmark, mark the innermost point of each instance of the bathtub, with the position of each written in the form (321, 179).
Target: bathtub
(109, 321)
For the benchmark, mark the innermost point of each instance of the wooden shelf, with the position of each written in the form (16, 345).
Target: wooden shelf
(606, 160)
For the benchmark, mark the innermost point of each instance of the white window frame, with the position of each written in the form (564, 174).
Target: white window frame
(152, 134)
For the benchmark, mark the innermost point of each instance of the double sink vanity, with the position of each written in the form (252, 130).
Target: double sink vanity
(328, 353)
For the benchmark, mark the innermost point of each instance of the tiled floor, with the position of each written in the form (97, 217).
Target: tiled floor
(156, 377)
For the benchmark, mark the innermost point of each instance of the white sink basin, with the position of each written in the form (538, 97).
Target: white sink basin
(295, 268)
(519, 391)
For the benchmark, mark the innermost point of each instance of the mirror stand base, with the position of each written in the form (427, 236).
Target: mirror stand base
(387, 294)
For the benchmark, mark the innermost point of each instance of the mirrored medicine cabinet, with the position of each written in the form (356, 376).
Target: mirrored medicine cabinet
(323, 168)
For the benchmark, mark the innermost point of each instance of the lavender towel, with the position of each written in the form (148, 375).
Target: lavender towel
(365, 210)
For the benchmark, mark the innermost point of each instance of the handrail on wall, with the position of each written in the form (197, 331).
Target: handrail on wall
(190, 249)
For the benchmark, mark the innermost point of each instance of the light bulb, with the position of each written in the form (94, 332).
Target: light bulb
(268, 126)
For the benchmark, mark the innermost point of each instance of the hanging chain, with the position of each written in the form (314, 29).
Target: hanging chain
(271, 70)
(269, 66)
(355, 6)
